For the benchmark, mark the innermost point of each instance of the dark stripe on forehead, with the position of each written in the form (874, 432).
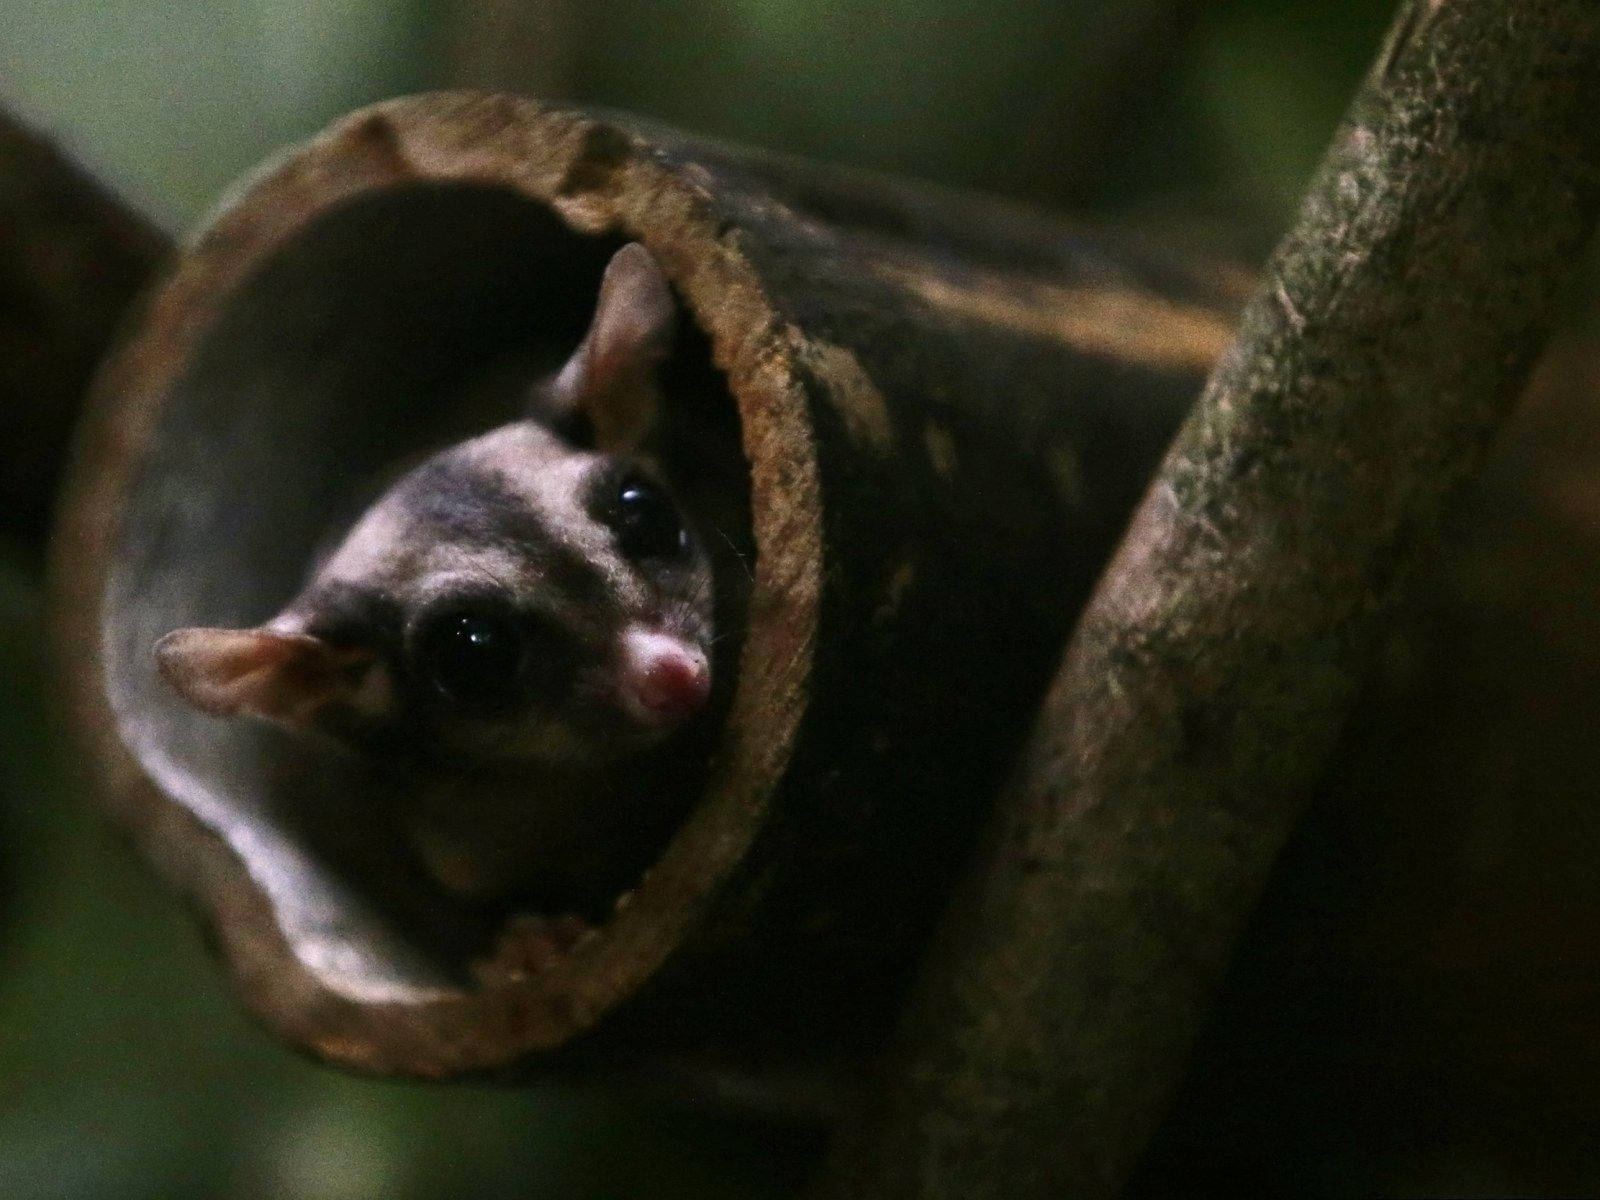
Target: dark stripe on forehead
(472, 506)
(452, 500)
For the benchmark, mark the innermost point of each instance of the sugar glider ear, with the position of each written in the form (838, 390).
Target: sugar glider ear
(610, 378)
(285, 677)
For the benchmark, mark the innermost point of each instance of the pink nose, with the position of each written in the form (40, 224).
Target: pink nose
(664, 679)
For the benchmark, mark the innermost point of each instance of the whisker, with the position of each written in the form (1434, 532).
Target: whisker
(737, 552)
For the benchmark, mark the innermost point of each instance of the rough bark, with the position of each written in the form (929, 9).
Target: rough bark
(1411, 1009)
(1212, 671)
(71, 258)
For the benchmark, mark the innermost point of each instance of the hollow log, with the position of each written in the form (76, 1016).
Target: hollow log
(948, 407)
(72, 256)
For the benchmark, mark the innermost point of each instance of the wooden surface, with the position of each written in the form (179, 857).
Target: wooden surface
(1222, 653)
(1414, 1007)
(948, 407)
(1414, 1002)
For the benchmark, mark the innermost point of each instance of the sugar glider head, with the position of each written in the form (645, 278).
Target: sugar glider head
(522, 596)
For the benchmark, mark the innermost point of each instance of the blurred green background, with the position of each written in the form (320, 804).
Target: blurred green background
(125, 1070)
(174, 100)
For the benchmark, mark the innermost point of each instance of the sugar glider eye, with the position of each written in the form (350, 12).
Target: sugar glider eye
(472, 658)
(647, 521)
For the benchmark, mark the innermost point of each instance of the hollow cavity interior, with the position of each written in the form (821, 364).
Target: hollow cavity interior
(387, 328)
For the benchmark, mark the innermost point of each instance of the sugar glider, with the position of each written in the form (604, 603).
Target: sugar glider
(519, 631)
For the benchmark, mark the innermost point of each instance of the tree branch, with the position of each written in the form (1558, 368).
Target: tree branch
(71, 258)
(1211, 673)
